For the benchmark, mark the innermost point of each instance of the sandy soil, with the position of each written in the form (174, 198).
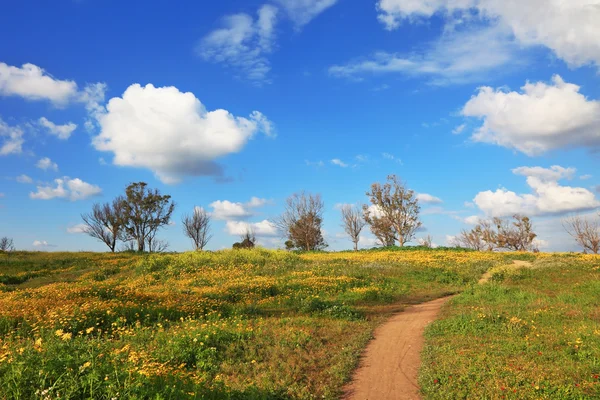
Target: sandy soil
(391, 361)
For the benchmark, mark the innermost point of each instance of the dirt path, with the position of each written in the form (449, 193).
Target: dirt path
(390, 364)
(516, 264)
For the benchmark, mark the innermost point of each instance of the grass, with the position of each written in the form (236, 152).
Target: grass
(529, 333)
(233, 324)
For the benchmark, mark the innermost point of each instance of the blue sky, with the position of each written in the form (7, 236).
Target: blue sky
(489, 107)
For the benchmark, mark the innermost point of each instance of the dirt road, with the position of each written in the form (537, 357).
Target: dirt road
(390, 364)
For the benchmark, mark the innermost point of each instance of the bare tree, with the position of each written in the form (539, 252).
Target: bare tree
(499, 233)
(426, 241)
(197, 227)
(301, 221)
(157, 245)
(145, 212)
(6, 244)
(395, 208)
(585, 232)
(106, 222)
(248, 240)
(353, 223)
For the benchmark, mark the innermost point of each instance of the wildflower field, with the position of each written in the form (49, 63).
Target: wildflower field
(258, 324)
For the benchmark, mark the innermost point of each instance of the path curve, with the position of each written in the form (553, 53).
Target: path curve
(390, 364)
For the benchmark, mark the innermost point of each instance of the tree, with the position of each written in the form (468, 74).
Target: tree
(394, 211)
(585, 232)
(499, 233)
(145, 212)
(248, 240)
(197, 227)
(353, 223)
(301, 221)
(6, 244)
(106, 222)
(426, 241)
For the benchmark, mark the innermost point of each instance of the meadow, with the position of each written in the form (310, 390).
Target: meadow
(258, 324)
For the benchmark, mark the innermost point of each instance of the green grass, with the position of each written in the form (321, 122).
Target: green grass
(530, 333)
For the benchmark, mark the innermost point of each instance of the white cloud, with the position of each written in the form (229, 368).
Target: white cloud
(172, 133)
(569, 28)
(243, 43)
(227, 210)
(314, 163)
(41, 243)
(391, 157)
(46, 164)
(62, 132)
(339, 163)
(71, 189)
(12, 142)
(586, 177)
(24, 179)
(457, 57)
(459, 129)
(262, 228)
(548, 196)
(367, 242)
(428, 199)
(541, 118)
(303, 11)
(33, 83)
(472, 220)
(79, 228)
(554, 173)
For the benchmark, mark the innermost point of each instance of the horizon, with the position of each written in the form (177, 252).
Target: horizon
(235, 106)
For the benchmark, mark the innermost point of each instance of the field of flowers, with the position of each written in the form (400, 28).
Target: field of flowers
(232, 324)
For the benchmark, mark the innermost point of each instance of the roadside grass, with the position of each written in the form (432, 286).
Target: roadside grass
(241, 324)
(529, 333)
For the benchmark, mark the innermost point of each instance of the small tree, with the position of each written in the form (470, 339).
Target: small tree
(145, 212)
(248, 240)
(197, 227)
(301, 221)
(585, 232)
(106, 222)
(499, 233)
(396, 211)
(353, 223)
(475, 238)
(6, 244)
(426, 241)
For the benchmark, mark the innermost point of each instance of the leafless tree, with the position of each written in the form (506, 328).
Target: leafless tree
(157, 245)
(105, 222)
(301, 221)
(197, 227)
(395, 207)
(353, 223)
(426, 241)
(6, 244)
(499, 233)
(248, 240)
(585, 232)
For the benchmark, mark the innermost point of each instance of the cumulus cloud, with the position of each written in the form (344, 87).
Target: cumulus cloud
(12, 139)
(457, 57)
(569, 28)
(428, 199)
(79, 228)
(227, 210)
(541, 118)
(243, 43)
(65, 188)
(33, 83)
(171, 132)
(24, 179)
(472, 220)
(262, 228)
(339, 163)
(548, 197)
(304, 11)
(46, 164)
(41, 243)
(62, 132)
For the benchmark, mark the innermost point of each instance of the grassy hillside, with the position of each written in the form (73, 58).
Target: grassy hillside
(232, 324)
(530, 333)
